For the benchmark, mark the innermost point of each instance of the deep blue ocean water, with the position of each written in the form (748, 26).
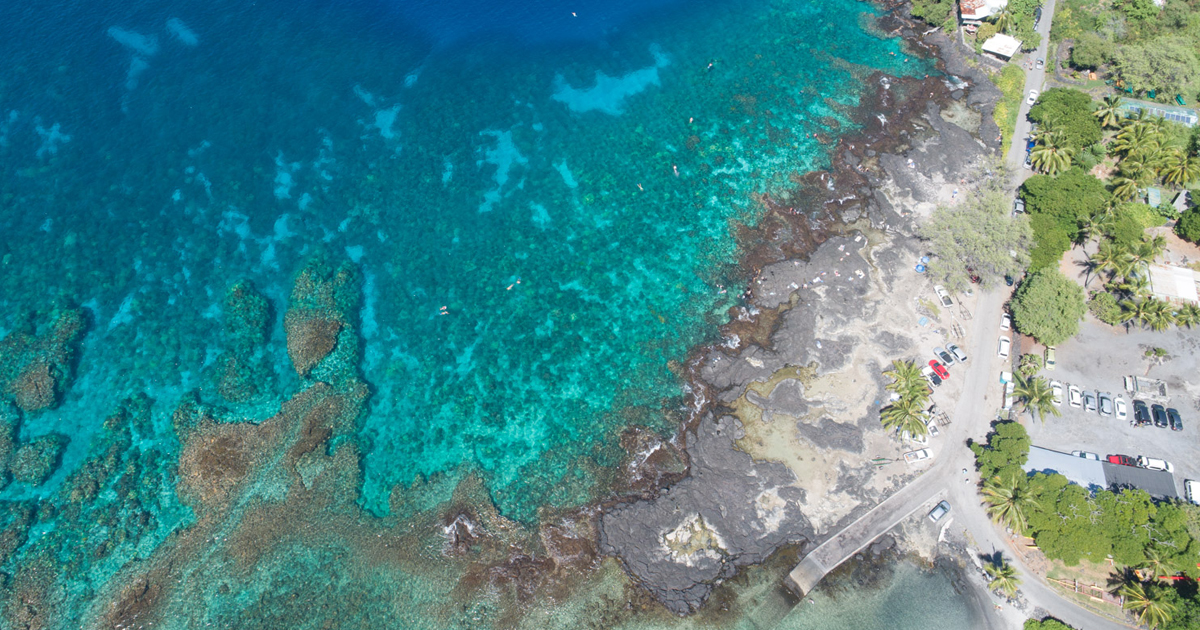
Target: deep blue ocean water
(541, 198)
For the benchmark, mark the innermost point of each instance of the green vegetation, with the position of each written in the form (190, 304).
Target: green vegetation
(907, 414)
(980, 234)
(1030, 365)
(1104, 307)
(1188, 227)
(1002, 578)
(1126, 299)
(1069, 113)
(1011, 83)
(1048, 307)
(1035, 395)
(1057, 206)
(1049, 623)
(1168, 64)
(1069, 523)
(937, 13)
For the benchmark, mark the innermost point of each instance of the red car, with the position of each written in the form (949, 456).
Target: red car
(1122, 460)
(939, 369)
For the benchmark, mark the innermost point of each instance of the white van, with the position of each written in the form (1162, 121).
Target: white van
(1191, 490)
(1150, 463)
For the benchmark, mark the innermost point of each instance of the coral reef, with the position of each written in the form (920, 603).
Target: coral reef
(243, 372)
(36, 460)
(37, 358)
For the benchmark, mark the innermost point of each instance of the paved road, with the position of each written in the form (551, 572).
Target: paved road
(1035, 79)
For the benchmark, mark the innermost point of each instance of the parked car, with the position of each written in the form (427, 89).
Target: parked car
(1176, 421)
(1121, 409)
(1005, 344)
(1122, 460)
(1008, 280)
(939, 369)
(1018, 208)
(1050, 357)
(1033, 96)
(1074, 396)
(1191, 491)
(931, 376)
(1089, 402)
(1056, 389)
(1041, 63)
(1086, 455)
(943, 295)
(917, 455)
(958, 353)
(1141, 414)
(941, 353)
(1160, 416)
(1106, 404)
(1005, 321)
(1151, 463)
(1028, 160)
(1009, 388)
(938, 512)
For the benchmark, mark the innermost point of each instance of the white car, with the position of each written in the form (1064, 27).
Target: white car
(1122, 409)
(1005, 344)
(1056, 388)
(1151, 463)
(1086, 455)
(1191, 490)
(943, 295)
(1075, 397)
(1005, 322)
(915, 456)
(1033, 94)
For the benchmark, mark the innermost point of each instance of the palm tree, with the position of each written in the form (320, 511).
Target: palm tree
(1049, 156)
(1187, 315)
(1136, 139)
(1150, 608)
(905, 416)
(1159, 315)
(1109, 111)
(1003, 20)
(1155, 564)
(1004, 578)
(907, 380)
(1109, 257)
(1007, 502)
(1135, 311)
(1179, 168)
(1149, 249)
(1124, 188)
(1035, 395)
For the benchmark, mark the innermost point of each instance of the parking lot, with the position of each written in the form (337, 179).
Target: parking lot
(1097, 360)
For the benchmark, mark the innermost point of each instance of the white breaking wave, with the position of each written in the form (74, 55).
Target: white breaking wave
(146, 45)
(181, 32)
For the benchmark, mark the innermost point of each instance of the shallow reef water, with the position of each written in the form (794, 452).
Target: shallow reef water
(314, 311)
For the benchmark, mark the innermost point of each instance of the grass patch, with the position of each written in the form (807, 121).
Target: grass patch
(1011, 82)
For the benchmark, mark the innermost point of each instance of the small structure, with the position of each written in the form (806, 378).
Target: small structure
(1175, 284)
(1088, 473)
(1181, 115)
(974, 12)
(1002, 46)
(1182, 201)
(1153, 197)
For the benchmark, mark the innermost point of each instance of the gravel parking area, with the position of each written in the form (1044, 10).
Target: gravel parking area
(1098, 359)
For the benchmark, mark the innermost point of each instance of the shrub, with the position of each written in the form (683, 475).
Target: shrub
(1048, 307)
(1104, 307)
(1188, 227)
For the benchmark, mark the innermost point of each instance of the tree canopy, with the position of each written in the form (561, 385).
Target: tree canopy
(980, 234)
(1006, 451)
(1167, 63)
(1188, 226)
(1048, 307)
(1090, 51)
(1071, 196)
(1069, 112)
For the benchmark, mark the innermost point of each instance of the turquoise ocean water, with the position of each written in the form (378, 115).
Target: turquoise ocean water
(539, 201)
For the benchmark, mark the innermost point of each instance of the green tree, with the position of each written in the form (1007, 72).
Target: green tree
(980, 234)
(1188, 226)
(1007, 501)
(1050, 155)
(1151, 609)
(1048, 307)
(1137, 139)
(1036, 396)
(1090, 51)
(1124, 188)
(1006, 450)
(1168, 64)
(1187, 315)
(1068, 198)
(1179, 169)
(1105, 308)
(934, 12)
(1069, 111)
(1109, 111)
(905, 416)
(1110, 258)
(1051, 240)
(907, 380)
(1003, 578)
(1140, 10)
(1049, 623)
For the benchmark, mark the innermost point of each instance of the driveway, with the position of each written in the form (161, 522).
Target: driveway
(1035, 79)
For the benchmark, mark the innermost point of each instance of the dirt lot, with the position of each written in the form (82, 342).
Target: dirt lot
(1097, 359)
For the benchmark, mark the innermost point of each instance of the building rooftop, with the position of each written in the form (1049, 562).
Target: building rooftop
(1159, 483)
(1182, 115)
(1002, 45)
(1178, 284)
(1088, 473)
(979, 10)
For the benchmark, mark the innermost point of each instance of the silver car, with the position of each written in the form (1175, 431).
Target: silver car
(1106, 404)
(958, 353)
(1089, 402)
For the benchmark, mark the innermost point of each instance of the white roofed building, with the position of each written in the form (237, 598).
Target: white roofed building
(1002, 46)
(976, 11)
